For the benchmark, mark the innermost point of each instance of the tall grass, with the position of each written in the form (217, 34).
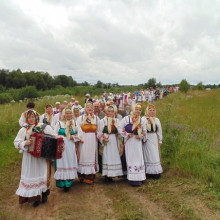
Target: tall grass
(191, 131)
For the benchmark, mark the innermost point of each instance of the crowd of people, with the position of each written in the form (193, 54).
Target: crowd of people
(106, 135)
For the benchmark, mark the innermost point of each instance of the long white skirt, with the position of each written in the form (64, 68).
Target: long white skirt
(67, 165)
(33, 176)
(88, 162)
(151, 155)
(111, 162)
(134, 159)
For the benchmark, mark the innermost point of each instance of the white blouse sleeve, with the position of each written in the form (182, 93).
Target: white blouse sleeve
(100, 129)
(57, 127)
(159, 131)
(19, 141)
(143, 124)
(22, 122)
(41, 118)
(78, 128)
(121, 126)
(144, 127)
(55, 120)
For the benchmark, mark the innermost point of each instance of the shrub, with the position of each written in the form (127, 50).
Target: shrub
(28, 92)
(200, 86)
(2, 88)
(5, 98)
(184, 86)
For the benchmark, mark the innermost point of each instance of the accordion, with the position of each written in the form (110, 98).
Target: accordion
(46, 146)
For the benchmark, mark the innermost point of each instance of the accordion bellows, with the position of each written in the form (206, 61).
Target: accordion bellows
(89, 128)
(46, 146)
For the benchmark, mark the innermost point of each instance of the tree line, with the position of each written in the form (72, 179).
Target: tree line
(41, 80)
(17, 79)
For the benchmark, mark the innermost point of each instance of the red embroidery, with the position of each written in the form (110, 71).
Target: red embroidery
(33, 185)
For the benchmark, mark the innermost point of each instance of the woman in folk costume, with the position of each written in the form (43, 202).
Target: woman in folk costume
(66, 167)
(47, 117)
(76, 113)
(109, 137)
(152, 143)
(133, 129)
(35, 172)
(87, 127)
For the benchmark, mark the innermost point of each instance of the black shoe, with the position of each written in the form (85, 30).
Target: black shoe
(66, 189)
(110, 180)
(36, 203)
(106, 179)
(156, 176)
(44, 197)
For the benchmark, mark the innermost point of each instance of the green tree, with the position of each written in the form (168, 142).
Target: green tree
(159, 85)
(151, 83)
(99, 84)
(85, 83)
(3, 76)
(40, 83)
(184, 86)
(200, 86)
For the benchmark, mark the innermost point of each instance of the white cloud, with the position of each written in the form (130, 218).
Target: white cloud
(113, 41)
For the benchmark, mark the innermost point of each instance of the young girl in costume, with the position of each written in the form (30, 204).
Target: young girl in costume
(87, 127)
(152, 143)
(109, 137)
(133, 129)
(66, 167)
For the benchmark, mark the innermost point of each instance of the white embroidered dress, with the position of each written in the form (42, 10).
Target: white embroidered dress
(151, 149)
(67, 165)
(133, 152)
(34, 170)
(88, 151)
(111, 161)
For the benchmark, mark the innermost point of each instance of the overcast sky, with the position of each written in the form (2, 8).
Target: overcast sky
(124, 41)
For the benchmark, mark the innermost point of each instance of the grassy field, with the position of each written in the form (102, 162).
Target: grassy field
(188, 189)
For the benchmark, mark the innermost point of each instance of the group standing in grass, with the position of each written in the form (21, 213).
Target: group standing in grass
(97, 138)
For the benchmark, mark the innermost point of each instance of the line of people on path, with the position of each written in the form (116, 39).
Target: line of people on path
(96, 139)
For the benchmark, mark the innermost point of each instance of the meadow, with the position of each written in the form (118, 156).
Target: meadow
(188, 189)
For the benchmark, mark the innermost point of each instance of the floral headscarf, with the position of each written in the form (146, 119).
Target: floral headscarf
(30, 127)
(150, 120)
(136, 119)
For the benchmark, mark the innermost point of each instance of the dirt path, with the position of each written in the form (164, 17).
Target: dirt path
(163, 199)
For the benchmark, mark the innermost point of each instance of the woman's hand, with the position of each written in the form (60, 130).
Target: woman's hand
(28, 142)
(137, 137)
(63, 147)
(105, 139)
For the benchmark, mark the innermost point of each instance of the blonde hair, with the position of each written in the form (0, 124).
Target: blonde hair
(63, 117)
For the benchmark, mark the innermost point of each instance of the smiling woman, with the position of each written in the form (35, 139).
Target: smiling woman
(34, 180)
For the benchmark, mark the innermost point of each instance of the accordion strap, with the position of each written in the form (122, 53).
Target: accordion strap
(43, 127)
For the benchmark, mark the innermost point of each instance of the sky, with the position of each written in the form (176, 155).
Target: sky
(115, 41)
